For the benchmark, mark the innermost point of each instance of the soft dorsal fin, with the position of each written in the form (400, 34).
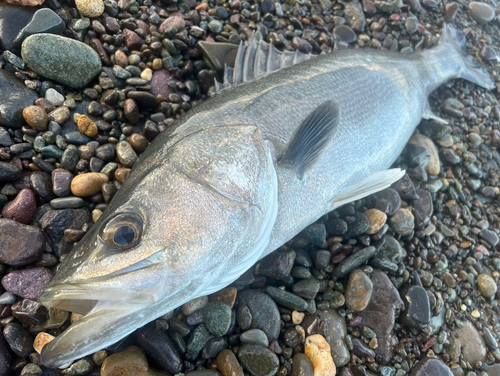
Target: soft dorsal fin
(256, 58)
(311, 138)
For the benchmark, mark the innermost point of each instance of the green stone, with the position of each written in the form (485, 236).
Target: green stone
(258, 360)
(217, 317)
(286, 298)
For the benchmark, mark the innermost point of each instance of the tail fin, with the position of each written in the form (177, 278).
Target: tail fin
(472, 70)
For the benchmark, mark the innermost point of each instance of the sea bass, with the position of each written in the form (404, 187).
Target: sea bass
(240, 175)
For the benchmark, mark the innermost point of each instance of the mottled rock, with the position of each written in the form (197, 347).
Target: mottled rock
(65, 60)
(402, 222)
(434, 166)
(217, 318)
(430, 367)
(228, 365)
(20, 244)
(90, 8)
(22, 208)
(258, 360)
(359, 291)
(317, 350)
(354, 15)
(36, 117)
(27, 283)
(486, 285)
(377, 219)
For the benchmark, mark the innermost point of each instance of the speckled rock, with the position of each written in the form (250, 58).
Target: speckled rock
(41, 340)
(64, 60)
(22, 208)
(473, 346)
(87, 126)
(20, 244)
(359, 291)
(217, 318)
(402, 222)
(90, 8)
(486, 285)
(228, 365)
(36, 117)
(263, 310)
(258, 360)
(27, 283)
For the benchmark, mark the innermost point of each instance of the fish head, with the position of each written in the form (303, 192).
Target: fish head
(186, 223)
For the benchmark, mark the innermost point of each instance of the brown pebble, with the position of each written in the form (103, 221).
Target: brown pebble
(377, 220)
(226, 295)
(22, 208)
(139, 142)
(228, 365)
(85, 185)
(121, 58)
(73, 235)
(121, 174)
(131, 110)
(41, 340)
(450, 11)
(130, 361)
(36, 117)
(45, 104)
(87, 126)
(318, 351)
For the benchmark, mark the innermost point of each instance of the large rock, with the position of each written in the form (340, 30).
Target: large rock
(472, 343)
(20, 244)
(65, 60)
(15, 97)
(12, 20)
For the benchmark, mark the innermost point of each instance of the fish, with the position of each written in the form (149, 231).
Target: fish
(286, 139)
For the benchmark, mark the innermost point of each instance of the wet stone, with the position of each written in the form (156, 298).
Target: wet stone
(431, 367)
(490, 236)
(217, 318)
(129, 361)
(9, 172)
(345, 33)
(16, 96)
(360, 225)
(306, 288)
(20, 244)
(482, 13)
(361, 350)
(316, 235)
(255, 337)
(402, 222)
(263, 312)
(22, 208)
(197, 341)
(19, 340)
(85, 185)
(159, 346)
(126, 154)
(317, 350)
(277, 265)
(387, 201)
(359, 291)
(27, 283)
(353, 261)
(61, 182)
(417, 312)
(381, 313)
(67, 203)
(321, 258)
(423, 207)
(213, 347)
(336, 227)
(228, 365)
(354, 16)
(42, 185)
(286, 298)
(44, 20)
(12, 20)
(434, 166)
(377, 220)
(302, 365)
(258, 360)
(333, 328)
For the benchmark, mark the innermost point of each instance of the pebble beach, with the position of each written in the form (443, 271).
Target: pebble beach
(403, 282)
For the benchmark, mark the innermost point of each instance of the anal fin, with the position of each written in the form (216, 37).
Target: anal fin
(375, 182)
(311, 138)
(429, 115)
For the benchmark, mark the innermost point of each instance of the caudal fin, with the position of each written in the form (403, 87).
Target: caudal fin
(472, 70)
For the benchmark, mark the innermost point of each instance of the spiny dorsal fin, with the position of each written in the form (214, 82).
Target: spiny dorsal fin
(311, 138)
(256, 58)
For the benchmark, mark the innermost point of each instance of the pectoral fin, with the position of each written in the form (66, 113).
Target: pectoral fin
(373, 183)
(311, 138)
(429, 115)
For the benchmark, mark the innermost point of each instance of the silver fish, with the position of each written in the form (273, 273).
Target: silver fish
(241, 174)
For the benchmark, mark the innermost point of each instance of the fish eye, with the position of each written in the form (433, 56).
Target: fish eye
(123, 231)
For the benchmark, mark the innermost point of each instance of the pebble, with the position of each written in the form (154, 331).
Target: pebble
(417, 313)
(20, 244)
(472, 343)
(129, 361)
(317, 350)
(482, 13)
(353, 261)
(87, 126)
(217, 318)
(316, 235)
(64, 60)
(354, 15)
(160, 348)
(333, 328)
(263, 311)
(228, 365)
(139, 142)
(61, 182)
(19, 339)
(42, 185)
(226, 295)
(194, 305)
(302, 365)
(27, 283)
(286, 298)
(486, 285)
(36, 117)
(126, 154)
(306, 288)
(258, 360)
(430, 367)
(255, 337)
(345, 33)
(53, 96)
(402, 222)
(67, 203)
(29, 312)
(277, 265)
(359, 291)
(387, 201)
(434, 166)
(9, 172)
(15, 98)
(90, 8)
(85, 185)
(31, 369)
(197, 341)
(377, 220)
(22, 208)
(381, 313)
(450, 11)
(60, 115)
(423, 208)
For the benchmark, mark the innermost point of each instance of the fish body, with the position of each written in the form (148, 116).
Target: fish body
(213, 194)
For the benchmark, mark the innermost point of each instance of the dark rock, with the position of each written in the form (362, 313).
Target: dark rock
(61, 182)
(306, 288)
(258, 360)
(217, 318)
(387, 201)
(44, 20)
(336, 227)
(12, 20)
(197, 341)
(19, 340)
(15, 97)
(430, 367)
(361, 350)
(30, 312)
(353, 261)
(489, 236)
(423, 207)
(41, 183)
(5, 358)
(263, 310)
(20, 244)
(159, 347)
(213, 347)
(277, 265)
(286, 298)
(316, 235)
(22, 208)
(160, 83)
(360, 225)
(417, 313)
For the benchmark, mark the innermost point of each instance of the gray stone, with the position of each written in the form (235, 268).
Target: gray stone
(333, 328)
(67, 202)
(15, 97)
(61, 59)
(44, 20)
(258, 360)
(473, 346)
(12, 20)
(262, 310)
(430, 367)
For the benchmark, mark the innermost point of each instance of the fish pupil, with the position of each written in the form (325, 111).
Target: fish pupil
(124, 235)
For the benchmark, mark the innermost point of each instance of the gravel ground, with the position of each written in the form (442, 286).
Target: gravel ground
(400, 283)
